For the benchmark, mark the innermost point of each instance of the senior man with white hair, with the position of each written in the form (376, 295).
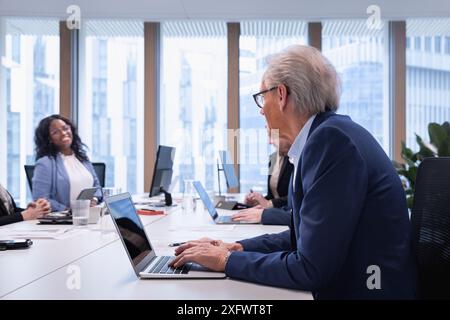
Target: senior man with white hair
(350, 234)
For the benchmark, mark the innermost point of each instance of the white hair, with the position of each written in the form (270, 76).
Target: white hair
(311, 79)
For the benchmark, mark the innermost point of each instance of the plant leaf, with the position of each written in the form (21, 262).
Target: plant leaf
(424, 151)
(446, 126)
(406, 152)
(410, 201)
(439, 138)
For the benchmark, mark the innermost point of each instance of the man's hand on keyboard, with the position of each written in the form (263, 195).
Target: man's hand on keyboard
(205, 240)
(206, 254)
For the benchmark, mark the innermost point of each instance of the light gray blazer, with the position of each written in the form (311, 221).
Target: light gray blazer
(50, 181)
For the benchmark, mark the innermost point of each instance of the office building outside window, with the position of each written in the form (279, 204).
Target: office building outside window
(193, 104)
(111, 107)
(259, 40)
(29, 91)
(427, 78)
(360, 54)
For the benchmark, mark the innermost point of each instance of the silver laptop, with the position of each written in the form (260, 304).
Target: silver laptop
(143, 258)
(212, 209)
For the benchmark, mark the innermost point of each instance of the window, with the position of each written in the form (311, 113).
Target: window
(259, 39)
(437, 44)
(193, 106)
(447, 45)
(112, 99)
(417, 43)
(363, 67)
(29, 91)
(428, 44)
(427, 80)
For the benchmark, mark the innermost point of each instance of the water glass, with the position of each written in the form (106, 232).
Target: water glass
(80, 212)
(188, 203)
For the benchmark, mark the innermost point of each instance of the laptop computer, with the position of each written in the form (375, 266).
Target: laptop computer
(65, 216)
(232, 182)
(212, 210)
(144, 260)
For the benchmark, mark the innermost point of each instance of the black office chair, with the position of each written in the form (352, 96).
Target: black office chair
(29, 171)
(100, 170)
(430, 219)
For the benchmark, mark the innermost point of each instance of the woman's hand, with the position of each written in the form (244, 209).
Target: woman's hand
(250, 199)
(256, 198)
(36, 209)
(94, 202)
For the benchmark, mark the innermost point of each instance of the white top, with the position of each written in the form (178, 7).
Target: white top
(297, 147)
(79, 176)
(273, 183)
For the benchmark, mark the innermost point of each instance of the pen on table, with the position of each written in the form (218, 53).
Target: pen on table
(176, 244)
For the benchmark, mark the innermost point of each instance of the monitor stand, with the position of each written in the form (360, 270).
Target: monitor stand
(167, 197)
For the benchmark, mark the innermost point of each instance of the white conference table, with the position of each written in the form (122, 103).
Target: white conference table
(21, 267)
(43, 271)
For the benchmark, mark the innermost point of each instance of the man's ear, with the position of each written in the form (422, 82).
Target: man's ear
(282, 97)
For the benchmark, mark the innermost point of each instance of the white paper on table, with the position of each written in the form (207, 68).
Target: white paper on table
(43, 234)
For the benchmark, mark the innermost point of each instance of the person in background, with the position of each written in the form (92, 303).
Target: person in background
(280, 170)
(271, 209)
(10, 213)
(62, 168)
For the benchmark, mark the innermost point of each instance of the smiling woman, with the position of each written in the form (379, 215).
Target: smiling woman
(62, 169)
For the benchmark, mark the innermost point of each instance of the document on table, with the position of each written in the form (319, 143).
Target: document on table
(62, 233)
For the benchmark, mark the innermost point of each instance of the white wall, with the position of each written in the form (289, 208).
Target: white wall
(230, 10)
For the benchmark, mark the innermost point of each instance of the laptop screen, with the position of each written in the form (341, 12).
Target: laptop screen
(205, 199)
(228, 169)
(130, 228)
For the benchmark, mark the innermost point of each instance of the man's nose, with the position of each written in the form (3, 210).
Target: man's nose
(261, 111)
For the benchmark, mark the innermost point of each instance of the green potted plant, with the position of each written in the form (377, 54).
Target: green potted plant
(439, 146)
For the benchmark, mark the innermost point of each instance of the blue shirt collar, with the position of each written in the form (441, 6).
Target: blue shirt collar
(299, 143)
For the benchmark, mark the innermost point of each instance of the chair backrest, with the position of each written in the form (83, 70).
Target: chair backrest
(430, 219)
(100, 170)
(29, 171)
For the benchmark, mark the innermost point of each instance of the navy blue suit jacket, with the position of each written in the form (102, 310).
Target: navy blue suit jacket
(349, 214)
(276, 216)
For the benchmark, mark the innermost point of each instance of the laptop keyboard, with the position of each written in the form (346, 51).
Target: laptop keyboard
(162, 266)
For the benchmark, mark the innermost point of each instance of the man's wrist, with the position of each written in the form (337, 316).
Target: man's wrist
(235, 247)
(227, 255)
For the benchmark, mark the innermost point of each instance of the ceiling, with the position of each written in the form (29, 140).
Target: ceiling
(229, 10)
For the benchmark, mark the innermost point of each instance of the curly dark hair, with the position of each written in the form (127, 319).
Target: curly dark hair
(44, 146)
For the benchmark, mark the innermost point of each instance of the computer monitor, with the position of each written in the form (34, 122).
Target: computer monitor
(228, 169)
(162, 174)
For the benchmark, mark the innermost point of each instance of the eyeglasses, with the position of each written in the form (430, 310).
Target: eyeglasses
(259, 97)
(64, 129)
